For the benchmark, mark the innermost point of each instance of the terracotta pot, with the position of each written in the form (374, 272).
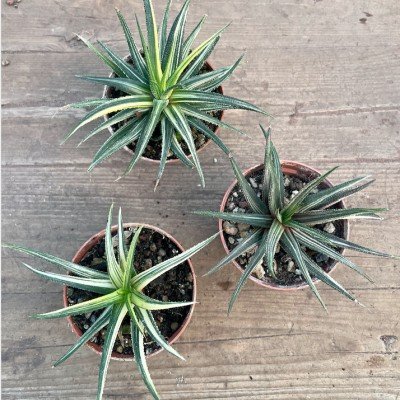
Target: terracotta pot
(80, 254)
(106, 94)
(294, 169)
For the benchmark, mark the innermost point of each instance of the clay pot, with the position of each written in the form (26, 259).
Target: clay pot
(80, 254)
(293, 169)
(106, 94)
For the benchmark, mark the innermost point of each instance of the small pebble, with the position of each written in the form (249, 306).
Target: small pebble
(86, 326)
(229, 228)
(234, 194)
(148, 263)
(120, 349)
(253, 183)
(5, 62)
(297, 272)
(259, 271)
(278, 248)
(243, 227)
(231, 240)
(153, 247)
(286, 182)
(162, 253)
(291, 266)
(231, 206)
(174, 326)
(329, 227)
(321, 258)
(215, 160)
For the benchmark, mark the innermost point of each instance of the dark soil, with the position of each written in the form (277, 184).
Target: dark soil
(154, 148)
(175, 285)
(287, 272)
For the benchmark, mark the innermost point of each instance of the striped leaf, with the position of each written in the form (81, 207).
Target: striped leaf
(130, 270)
(254, 261)
(140, 358)
(258, 220)
(318, 217)
(293, 249)
(117, 315)
(76, 269)
(294, 204)
(129, 86)
(180, 154)
(140, 300)
(322, 248)
(84, 307)
(153, 331)
(273, 237)
(255, 203)
(163, 29)
(336, 241)
(179, 122)
(102, 286)
(141, 280)
(97, 326)
(330, 196)
(133, 49)
(166, 137)
(187, 45)
(113, 267)
(245, 245)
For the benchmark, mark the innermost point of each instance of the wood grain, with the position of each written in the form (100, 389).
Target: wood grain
(330, 75)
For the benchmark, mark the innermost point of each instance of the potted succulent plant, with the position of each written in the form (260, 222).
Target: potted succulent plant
(162, 102)
(117, 301)
(285, 226)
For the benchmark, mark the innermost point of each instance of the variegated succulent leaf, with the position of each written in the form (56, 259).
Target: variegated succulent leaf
(119, 293)
(164, 92)
(293, 223)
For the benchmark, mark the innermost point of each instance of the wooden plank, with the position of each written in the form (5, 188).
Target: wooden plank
(332, 81)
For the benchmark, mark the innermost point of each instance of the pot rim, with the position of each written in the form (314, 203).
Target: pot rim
(82, 251)
(172, 160)
(290, 168)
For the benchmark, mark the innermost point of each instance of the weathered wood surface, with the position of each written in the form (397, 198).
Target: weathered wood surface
(331, 76)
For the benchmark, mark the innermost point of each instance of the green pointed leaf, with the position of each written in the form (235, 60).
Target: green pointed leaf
(320, 274)
(208, 118)
(122, 250)
(259, 220)
(195, 67)
(117, 315)
(245, 245)
(152, 36)
(335, 241)
(141, 280)
(330, 196)
(293, 249)
(255, 203)
(187, 45)
(114, 105)
(274, 235)
(205, 130)
(113, 267)
(134, 51)
(323, 216)
(142, 301)
(254, 261)
(88, 103)
(127, 134)
(115, 119)
(125, 68)
(166, 137)
(320, 247)
(130, 86)
(163, 29)
(210, 80)
(294, 204)
(178, 120)
(76, 269)
(179, 153)
(130, 271)
(82, 308)
(152, 329)
(218, 101)
(98, 325)
(145, 136)
(192, 56)
(102, 286)
(140, 358)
